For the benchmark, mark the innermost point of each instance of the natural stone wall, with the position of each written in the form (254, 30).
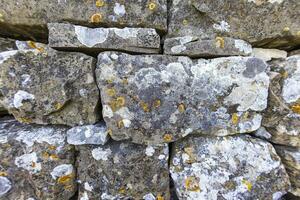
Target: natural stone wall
(149, 99)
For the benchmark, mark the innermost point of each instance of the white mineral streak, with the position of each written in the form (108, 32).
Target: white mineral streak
(119, 9)
(243, 46)
(21, 96)
(126, 33)
(291, 89)
(101, 154)
(91, 36)
(6, 55)
(222, 26)
(5, 185)
(150, 151)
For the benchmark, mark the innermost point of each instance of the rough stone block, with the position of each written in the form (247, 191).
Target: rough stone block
(282, 117)
(28, 18)
(35, 162)
(227, 168)
(95, 40)
(45, 86)
(159, 98)
(268, 23)
(195, 47)
(123, 170)
(269, 54)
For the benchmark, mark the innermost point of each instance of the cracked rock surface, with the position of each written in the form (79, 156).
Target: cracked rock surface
(159, 98)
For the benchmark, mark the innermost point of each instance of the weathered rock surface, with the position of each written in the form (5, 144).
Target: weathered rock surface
(226, 168)
(123, 170)
(44, 86)
(291, 159)
(195, 47)
(158, 98)
(89, 134)
(28, 18)
(282, 118)
(269, 54)
(95, 40)
(261, 22)
(35, 162)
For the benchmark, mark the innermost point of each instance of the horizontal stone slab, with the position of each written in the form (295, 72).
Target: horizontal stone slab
(95, 40)
(270, 24)
(29, 18)
(123, 170)
(158, 98)
(269, 54)
(36, 162)
(195, 47)
(227, 167)
(44, 86)
(282, 117)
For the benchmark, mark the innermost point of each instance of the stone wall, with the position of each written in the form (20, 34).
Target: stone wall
(149, 99)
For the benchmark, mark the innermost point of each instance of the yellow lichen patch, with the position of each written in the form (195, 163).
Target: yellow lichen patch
(32, 44)
(235, 118)
(296, 108)
(96, 18)
(111, 92)
(189, 151)
(109, 81)
(246, 116)
(145, 106)
(69, 187)
(286, 29)
(181, 108)
(157, 103)
(192, 184)
(220, 42)
(185, 22)
(58, 106)
(3, 174)
(168, 137)
(285, 74)
(247, 184)
(54, 157)
(120, 101)
(160, 197)
(152, 6)
(109, 132)
(45, 155)
(65, 179)
(25, 120)
(52, 147)
(122, 190)
(120, 124)
(100, 3)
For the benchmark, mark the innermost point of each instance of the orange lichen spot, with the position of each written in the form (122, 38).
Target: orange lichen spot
(220, 42)
(235, 118)
(286, 29)
(109, 132)
(45, 155)
(152, 6)
(145, 106)
(168, 137)
(52, 147)
(96, 18)
(25, 120)
(247, 184)
(65, 179)
(181, 108)
(54, 157)
(58, 106)
(285, 74)
(122, 190)
(157, 103)
(189, 152)
(33, 164)
(185, 22)
(100, 3)
(68, 187)
(160, 197)
(3, 174)
(120, 124)
(111, 92)
(192, 184)
(32, 44)
(120, 101)
(296, 108)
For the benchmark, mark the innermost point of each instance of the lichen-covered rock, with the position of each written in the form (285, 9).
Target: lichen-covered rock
(123, 170)
(269, 23)
(7, 44)
(227, 168)
(95, 40)
(282, 118)
(158, 98)
(28, 18)
(269, 54)
(89, 134)
(45, 86)
(35, 162)
(195, 47)
(291, 159)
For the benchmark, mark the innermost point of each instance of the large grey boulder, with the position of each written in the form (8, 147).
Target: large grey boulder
(158, 98)
(123, 170)
(44, 86)
(28, 18)
(95, 40)
(268, 23)
(227, 168)
(282, 117)
(36, 162)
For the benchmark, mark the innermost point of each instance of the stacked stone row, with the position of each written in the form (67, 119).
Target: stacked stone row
(184, 108)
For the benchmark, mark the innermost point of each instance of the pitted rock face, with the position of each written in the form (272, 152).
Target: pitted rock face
(123, 170)
(156, 99)
(282, 118)
(30, 156)
(260, 22)
(30, 17)
(95, 40)
(290, 157)
(227, 167)
(45, 86)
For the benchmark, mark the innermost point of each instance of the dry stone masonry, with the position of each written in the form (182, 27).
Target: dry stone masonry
(150, 100)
